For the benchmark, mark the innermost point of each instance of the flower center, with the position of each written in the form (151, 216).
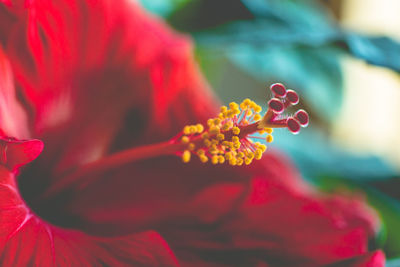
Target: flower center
(232, 137)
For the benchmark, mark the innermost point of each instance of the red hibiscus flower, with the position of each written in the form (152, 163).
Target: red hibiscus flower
(94, 79)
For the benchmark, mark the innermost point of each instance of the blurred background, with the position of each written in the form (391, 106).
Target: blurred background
(343, 57)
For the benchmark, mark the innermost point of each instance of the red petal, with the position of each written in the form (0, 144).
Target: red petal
(95, 73)
(371, 259)
(216, 211)
(16, 153)
(25, 240)
(13, 121)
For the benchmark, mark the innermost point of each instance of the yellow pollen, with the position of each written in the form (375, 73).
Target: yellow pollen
(235, 130)
(214, 130)
(186, 156)
(203, 158)
(257, 117)
(185, 139)
(220, 137)
(217, 121)
(191, 146)
(233, 105)
(186, 130)
(232, 161)
(228, 137)
(214, 159)
(200, 128)
(207, 142)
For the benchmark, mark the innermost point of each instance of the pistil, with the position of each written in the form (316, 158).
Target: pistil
(230, 137)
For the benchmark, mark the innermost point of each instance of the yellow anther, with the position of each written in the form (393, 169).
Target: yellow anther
(210, 122)
(250, 155)
(233, 105)
(215, 159)
(236, 145)
(203, 158)
(186, 156)
(236, 130)
(185, 139)
(236, 111)
(249, 112)
(207, 142)
(214, 129)
(213, 149)
(261, 131)
(224, 109)
(248, 161)
(269, 130)
(220, 137)
(225, 143)
(200, 152)
(205, 135)
(257, 117)
(228, 155)
(191, 146)
(235, 139)
(239, 161)
(199, 128)
(245, 122)
(225, 127)
(258, 154)
(193, 129)
(214, 142)
(230, 114)
(263, 148)
(232, 161)
(257, 108)
(269, 138)
(221, 159)
(240, 155)
(186, 130)
(217, 121)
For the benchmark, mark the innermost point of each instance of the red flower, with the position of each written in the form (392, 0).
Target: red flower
(93, 78)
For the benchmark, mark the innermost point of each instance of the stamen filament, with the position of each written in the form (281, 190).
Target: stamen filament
(228, 138)
(114, 161)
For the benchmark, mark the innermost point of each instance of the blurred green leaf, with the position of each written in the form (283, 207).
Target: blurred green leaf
(393, 262)
(297, 42)
(162, 8)
(380, 51)
(315, 73)
(315, 155)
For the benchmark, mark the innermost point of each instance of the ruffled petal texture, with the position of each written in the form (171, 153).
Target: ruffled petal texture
(231, 217)
(25, 240)
(99, 76)
(94, 77)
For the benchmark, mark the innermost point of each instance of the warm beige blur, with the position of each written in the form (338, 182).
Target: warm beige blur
(370, 119)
